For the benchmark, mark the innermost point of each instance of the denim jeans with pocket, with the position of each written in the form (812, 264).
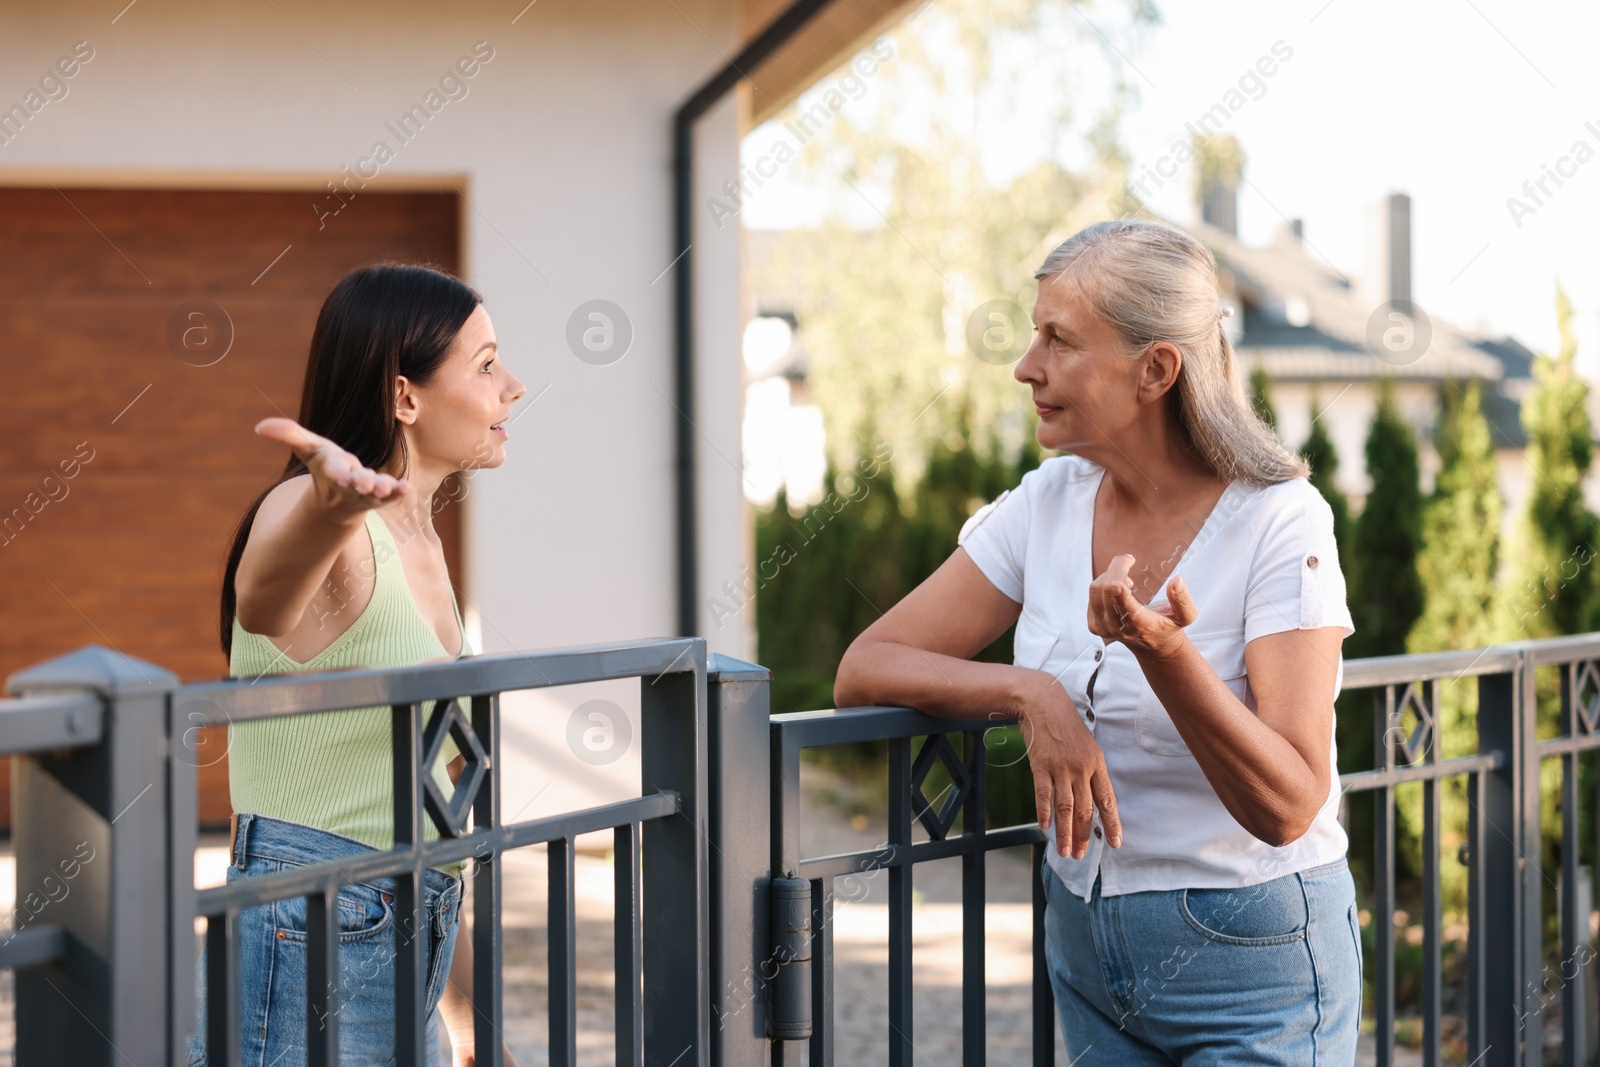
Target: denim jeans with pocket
(272, 953)
(1267, 974)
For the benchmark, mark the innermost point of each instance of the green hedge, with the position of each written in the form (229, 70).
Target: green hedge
(825, 574)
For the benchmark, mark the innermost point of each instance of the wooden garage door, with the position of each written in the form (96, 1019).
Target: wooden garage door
(143, 333)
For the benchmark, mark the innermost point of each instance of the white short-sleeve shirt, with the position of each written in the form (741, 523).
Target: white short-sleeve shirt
(1264, 562)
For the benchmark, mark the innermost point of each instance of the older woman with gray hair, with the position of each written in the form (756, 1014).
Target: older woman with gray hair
(1180, 611)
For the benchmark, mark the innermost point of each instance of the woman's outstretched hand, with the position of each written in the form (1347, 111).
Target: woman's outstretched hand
(1069, 771)
(339, 482)
(1115, 614)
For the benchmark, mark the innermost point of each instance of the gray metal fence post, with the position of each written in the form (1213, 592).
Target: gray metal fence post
(1512, 1022)
(104, 838)
(1529, 840)
(672, 737)
(739, 814)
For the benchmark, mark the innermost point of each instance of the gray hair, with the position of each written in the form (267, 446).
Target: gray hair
(1152, 283)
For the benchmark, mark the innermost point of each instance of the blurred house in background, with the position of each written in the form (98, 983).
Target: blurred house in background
(783, 431)
(1325, 340)
(1313, 330)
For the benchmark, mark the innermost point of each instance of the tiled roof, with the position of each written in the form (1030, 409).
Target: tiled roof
(1286, 282)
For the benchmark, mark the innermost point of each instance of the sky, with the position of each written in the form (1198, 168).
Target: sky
(1457, 103)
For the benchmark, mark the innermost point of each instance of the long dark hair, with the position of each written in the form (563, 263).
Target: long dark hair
(379, 322)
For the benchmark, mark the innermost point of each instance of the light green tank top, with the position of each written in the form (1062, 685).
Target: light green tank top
(333, 771)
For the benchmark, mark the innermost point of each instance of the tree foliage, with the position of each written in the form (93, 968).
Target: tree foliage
(1458, 566)
(1260, 399)
(1460, 557)
(1557, 587)
(937, 219)
(1219, 159)
(1385, 593)
(1320, 454)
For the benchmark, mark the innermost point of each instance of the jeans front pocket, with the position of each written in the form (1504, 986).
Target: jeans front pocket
(1269, 913)
(362, 993)
(364, 912)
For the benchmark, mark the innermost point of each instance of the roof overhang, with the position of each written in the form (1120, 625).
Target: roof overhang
(835, 33)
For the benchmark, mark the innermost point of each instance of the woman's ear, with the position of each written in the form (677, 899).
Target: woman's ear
(1162, 363)
(407, 403)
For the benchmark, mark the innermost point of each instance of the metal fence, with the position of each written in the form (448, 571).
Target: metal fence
(723, 932)
(1506, 973)
(907, 799)
(104, 744)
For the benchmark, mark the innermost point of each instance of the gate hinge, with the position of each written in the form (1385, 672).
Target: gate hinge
(790, 963)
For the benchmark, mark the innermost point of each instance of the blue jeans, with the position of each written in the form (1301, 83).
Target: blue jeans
(272, 946)
(1267, 974)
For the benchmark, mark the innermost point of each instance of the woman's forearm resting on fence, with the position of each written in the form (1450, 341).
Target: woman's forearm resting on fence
(919, 654)
(894, 674)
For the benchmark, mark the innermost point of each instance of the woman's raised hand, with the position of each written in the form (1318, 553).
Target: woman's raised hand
(339, 482)
(1069, 770)
(1115, 614)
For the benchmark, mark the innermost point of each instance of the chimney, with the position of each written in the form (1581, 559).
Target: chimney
(1219, 205)
(1389, 251)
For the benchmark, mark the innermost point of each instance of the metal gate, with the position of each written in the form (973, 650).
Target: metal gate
(723, 930)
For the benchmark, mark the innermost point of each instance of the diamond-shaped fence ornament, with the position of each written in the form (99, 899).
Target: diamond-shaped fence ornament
(450, 814)
(938, 823)
(1586, 696)
(1413, 744)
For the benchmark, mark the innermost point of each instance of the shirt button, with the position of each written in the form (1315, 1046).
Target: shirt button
(1311, 561)
(1089, 715)
(1098, 653)
(1097, 832)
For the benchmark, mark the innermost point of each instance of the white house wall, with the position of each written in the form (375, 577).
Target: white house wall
(719, 398)
(1347, 413)
(562, 146)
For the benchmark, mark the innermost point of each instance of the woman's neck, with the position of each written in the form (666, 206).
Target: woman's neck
(414, 511)
(1150, 472)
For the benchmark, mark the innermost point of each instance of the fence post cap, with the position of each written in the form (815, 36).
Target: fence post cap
(725, 668)
(94, 667)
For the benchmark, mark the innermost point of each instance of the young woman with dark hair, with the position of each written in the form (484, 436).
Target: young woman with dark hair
(337, 564)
